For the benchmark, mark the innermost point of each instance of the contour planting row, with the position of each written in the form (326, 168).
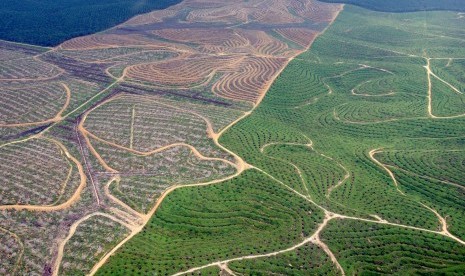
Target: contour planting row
(116, 159)
(145, 125)
(184, 72)
(429, 184)
(35, 172)
(31, 103)
(368, 248)
(445, 100)
(382, 198)
(195, 226)
(313, 10)
(318, 172)
(27, 69)
(266, 45)
(206, 40)
(218, 115)
(104, 55)
(93, 238)
(301, 36)
(442, 165)
(447, 200)
(375, 110)
(218, 14)
(38, 234)
(306, 260)
(247, 80)
(145, 178)
(105, 41)
(451, 71)
(267, 12)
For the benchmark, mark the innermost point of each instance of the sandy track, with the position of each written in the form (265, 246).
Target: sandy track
(442, 221)
(241, 165)
(315, 237)
(89, 171)
(271, 254)
(310, 146)
(152, 211)
(118, 201)
(86, 134)
(427, 177)
(430, 73)
(372, 154)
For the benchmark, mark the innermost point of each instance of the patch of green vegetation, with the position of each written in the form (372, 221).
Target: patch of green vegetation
(404, 5)
(327, 115)
(306, 260)
(50, 22)
(371, 249)
(194, 226)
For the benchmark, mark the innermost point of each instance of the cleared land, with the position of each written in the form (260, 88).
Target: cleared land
(356, 148)
(96, 132)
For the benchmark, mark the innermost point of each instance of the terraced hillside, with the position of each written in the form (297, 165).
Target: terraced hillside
(152, 148)
(361, 137)
(97, 131)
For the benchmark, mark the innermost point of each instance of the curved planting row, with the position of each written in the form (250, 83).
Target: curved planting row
(126, 55)
(435, 177)
(35, 173)
(248, 79)
(447, 166)
(376, 249)
(211, 40)
(104, 41)
(145, 179)
(12, 251)
(143, 124)
(262, 43)
(314, 10)
(301, 36)
(27, 69)
(445, 101)
(93, 238)
(132, 151)
(219, 14)
(32, 103)
(195, 226)
(184, 72)
(306, 260)
(319, 173)
(277, 14)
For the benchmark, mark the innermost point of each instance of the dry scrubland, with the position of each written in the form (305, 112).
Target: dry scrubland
(96, 131)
